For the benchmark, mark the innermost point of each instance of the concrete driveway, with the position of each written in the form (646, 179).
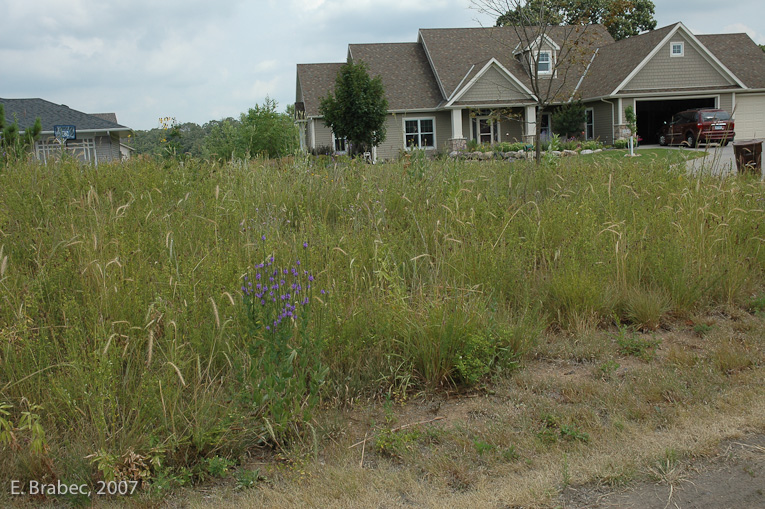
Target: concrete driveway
(717, 160)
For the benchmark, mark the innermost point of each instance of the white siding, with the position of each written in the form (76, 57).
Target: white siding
(750, 116)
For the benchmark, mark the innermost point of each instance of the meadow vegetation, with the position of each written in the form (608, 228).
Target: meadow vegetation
(139, 337)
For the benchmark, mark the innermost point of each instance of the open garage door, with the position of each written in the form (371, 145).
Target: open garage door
(651, 115)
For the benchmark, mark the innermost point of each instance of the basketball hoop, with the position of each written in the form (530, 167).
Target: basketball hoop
(62, 133)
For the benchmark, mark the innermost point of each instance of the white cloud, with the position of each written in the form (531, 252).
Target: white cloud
(200, 61)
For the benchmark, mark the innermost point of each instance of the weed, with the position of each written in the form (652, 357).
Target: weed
(218, 467)
(630, 343)
(702, 329)
(482, 447)
(511, 454)
(246, 478)
(392, 443)
(608, 368)
(573, 433)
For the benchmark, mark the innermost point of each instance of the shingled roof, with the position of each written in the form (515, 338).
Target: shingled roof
(614, 62)
(407, 77)
(26, 111)
(426, 75)
(315, 81)
(457, 54)
(740, 54)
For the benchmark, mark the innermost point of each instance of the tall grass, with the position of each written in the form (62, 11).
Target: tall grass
(121, 313)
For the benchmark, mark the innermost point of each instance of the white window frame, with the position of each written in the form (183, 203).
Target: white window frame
(672, 46)
(334, 144)
(495, 133)
(589, 125)
(549, 62)
(419, 133)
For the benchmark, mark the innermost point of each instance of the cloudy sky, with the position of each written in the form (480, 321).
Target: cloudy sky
(198, 61)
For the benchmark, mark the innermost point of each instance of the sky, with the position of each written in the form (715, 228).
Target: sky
(200, 61)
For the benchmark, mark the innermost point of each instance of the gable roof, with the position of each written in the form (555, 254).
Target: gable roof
(740, 54)
(479, 71)
(457, 54)
(315, 81)
(619, 62)
(26, 111)
(614, 62)
(407, 77)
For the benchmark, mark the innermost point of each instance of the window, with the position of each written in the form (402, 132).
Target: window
(484, 130)
(340, 144)
(544, 62)
(419, 133)
(589, 124)
(677, 49)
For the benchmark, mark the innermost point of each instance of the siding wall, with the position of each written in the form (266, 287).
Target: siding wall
(493, 86)
(726, 102)
(603, 124)
(665, 71)
(322, 134)
(107, 148)
(393, 145)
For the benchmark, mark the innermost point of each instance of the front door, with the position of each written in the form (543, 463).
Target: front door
(485, 130)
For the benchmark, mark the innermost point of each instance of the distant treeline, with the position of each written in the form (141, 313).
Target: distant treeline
(262, 130)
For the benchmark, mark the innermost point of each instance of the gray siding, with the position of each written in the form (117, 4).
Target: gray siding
(493, 86)
(665, 71)
(107, 149)
(602, 113)
(322, 134)
(393, 145)
(511, 130)
(726, 102)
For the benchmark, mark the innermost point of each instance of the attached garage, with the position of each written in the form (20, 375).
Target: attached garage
(651, 114)
(749, 115)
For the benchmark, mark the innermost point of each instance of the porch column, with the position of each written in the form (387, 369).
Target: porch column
(457, 141)
(530, 124)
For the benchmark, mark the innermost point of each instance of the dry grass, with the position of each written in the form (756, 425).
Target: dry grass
(521, 442)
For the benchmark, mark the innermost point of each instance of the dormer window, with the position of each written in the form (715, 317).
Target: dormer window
(544, 62)
(677, 49)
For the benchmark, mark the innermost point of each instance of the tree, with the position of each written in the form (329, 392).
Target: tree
(569, 119)
(552, 56)
(762, 47)
(265, 131)
(12, 143)
(358, 108)
(622, 18)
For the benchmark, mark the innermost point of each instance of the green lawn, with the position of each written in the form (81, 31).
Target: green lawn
(669, 155)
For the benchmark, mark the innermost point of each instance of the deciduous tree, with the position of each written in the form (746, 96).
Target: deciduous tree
(357, 109)
(622, 18)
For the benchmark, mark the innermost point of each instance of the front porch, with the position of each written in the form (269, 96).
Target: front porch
(492, 125)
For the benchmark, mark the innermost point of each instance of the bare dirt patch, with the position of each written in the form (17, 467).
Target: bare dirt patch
(734, 477)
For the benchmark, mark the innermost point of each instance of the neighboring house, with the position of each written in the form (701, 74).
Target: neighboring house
(445, 88)
(97, 136)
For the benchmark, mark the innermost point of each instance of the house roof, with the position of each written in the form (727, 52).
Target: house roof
(457, 54)
(26, 111)
(614, 62)
(111, 117)
(315, 81)
(437, 70)
(407, 77)
(740, 54)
